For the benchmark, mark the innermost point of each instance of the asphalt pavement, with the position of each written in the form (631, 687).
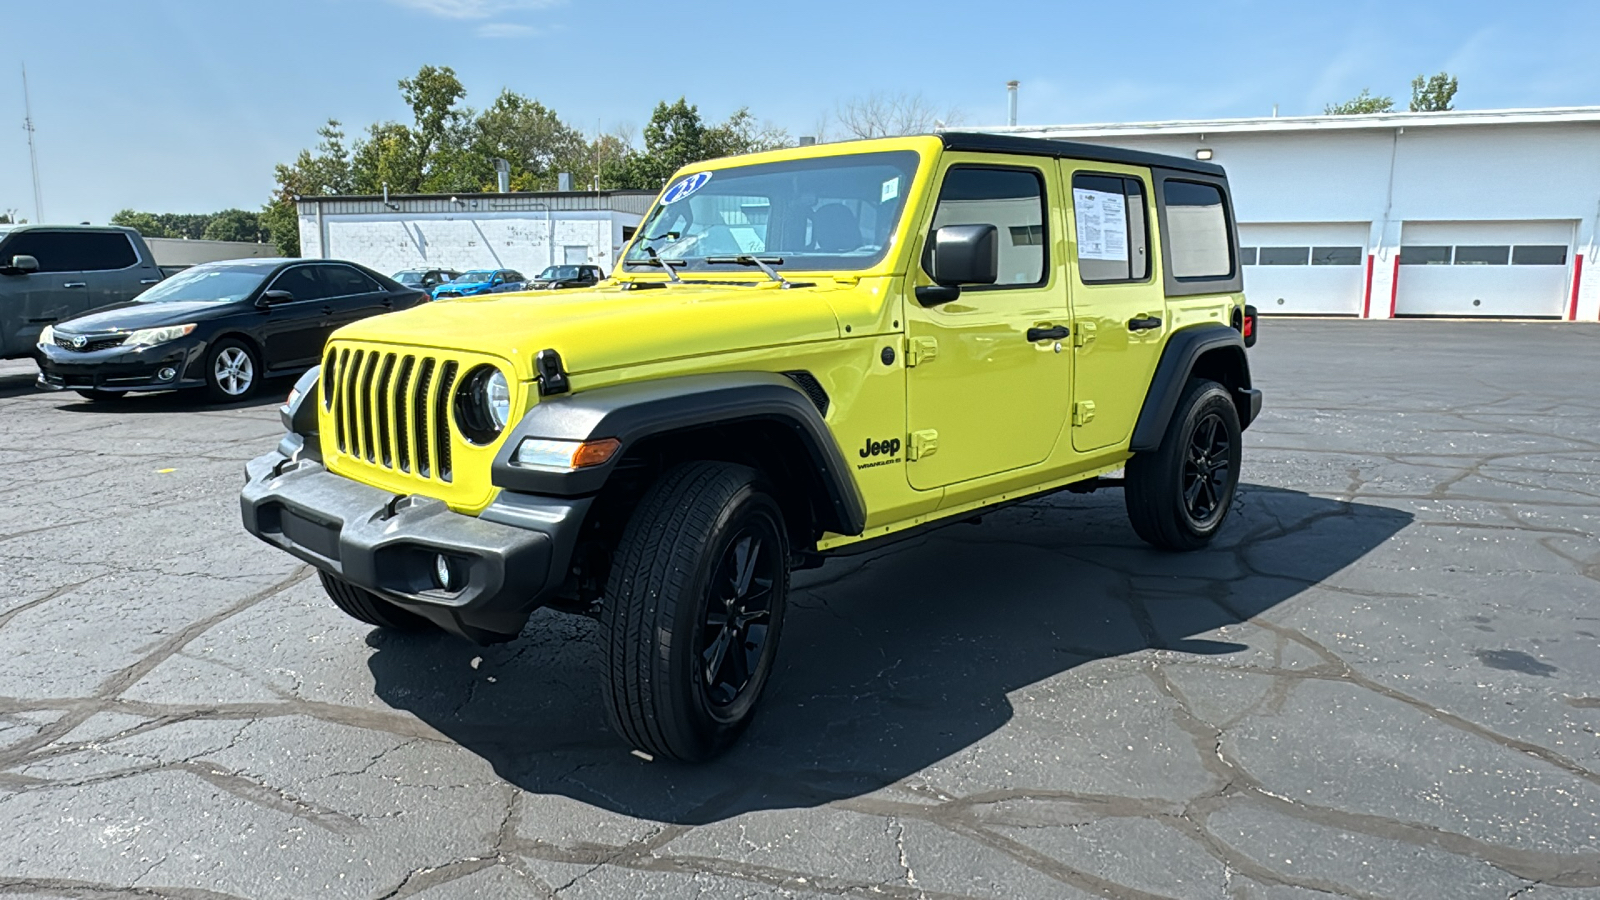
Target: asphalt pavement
(1383, 681)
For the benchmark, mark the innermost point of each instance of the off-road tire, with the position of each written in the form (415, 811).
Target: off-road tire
(657, 613)
(364, 605)
(1161, 511)
(215, 389)
(101, 396)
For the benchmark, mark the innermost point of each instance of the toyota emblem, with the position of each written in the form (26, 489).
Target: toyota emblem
(80, 342)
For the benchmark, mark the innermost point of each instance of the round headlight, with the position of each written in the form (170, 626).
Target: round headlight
(482, 404)
(499, 399)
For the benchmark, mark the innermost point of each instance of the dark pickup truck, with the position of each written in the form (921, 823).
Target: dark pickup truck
(53, 272)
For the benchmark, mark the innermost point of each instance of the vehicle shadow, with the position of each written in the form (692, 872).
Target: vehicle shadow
(892, 661)
(271, 393)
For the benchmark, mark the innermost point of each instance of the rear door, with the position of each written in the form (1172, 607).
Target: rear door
(1119, 312)
(115, 272)
(352, 296)
(293, 330)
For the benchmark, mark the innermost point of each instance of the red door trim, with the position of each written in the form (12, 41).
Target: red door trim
(1394, 286)
(1366, 298)
(1577, 276)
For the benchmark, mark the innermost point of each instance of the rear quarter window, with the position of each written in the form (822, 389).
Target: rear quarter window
(1199, 244)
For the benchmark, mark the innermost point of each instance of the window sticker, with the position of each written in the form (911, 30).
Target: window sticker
(891, 189)
(1102, 225)
(684, 188)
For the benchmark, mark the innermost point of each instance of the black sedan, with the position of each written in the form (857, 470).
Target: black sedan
(222, 326)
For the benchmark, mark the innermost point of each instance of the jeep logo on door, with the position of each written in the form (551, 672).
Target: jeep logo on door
(880, 448)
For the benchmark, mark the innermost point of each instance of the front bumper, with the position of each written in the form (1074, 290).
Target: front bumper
(119, 369)
(507, 560)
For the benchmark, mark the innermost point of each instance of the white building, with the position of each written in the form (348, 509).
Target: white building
(522, 231)
(1463, 213)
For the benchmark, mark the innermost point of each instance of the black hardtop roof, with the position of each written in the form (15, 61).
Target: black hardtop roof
(982, 142)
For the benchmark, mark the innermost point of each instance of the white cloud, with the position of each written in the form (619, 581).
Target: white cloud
(505, 30)
(473, 9)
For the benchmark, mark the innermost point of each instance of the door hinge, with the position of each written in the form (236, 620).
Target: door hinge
(923, 443)
(920, 350)
(1083, 412)
(1083, 336)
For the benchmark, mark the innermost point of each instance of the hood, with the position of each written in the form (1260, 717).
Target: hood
(595, 330)
(131, 316)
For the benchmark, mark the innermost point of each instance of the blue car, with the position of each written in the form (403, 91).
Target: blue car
(480, 281)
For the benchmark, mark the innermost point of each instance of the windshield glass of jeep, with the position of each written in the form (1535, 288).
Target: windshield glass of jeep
(824, 214)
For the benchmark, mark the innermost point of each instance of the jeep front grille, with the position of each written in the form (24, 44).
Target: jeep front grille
(387, 420)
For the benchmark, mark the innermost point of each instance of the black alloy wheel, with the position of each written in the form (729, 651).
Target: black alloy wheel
(1179, 494)
(738, 615)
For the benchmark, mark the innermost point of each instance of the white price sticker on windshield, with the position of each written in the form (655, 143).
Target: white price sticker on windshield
(891, 189)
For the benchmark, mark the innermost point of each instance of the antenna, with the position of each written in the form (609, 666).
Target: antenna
(33, 154)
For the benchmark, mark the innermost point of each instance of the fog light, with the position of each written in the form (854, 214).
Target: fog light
(167, 374)
(442, 574)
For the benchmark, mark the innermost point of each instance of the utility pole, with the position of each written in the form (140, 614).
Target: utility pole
(33, 153)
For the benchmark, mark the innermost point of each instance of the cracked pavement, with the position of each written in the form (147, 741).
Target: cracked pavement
(1382, 682)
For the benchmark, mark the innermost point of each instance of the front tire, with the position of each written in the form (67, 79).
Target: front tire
(233, 371)
(693, 610)
(365, 606)
(1179, 495)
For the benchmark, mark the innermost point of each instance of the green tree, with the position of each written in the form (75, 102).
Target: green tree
(532, 138)
(741, 133)
(326, 171)
(235, 225)
(282, 223)
(1435, 93)
(1361, 104)
(145, 223)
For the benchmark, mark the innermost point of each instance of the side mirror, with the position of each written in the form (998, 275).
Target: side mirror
(958, 255)
(268, 298)
(21, 264)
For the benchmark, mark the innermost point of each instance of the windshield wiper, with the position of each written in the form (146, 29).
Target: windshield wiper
(656, 260)
(764, 263)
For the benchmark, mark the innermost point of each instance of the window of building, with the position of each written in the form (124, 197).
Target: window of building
(1285, 256)
(1483, 255)
(1113, 230)
(1336, 256)
(1247, 256)
(1423, 255)
(1198, 234)
(1539, 255)
(1008, 199)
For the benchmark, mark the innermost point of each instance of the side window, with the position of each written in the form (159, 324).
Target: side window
(1198, 240)
(302, 282)
(56, 251)
(1113, 229)
(343, 281)
(106, 251)
(1012, 200)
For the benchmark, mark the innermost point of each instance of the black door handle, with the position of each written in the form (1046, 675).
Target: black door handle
(1058, 333)
(327, 310)
(1144, 323)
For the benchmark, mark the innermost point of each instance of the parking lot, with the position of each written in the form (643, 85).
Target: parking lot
(1383, 683)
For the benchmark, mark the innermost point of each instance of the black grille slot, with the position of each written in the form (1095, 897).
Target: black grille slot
(352, 406)
(402, 412)
(330, 374)
(337, 388)
(369, 369)
(812, 388)
(419, 420)
(383, 401)
(441, 419)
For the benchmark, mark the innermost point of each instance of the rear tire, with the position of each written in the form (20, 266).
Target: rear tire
(693, 610)
(1179, 495)
(365, 606)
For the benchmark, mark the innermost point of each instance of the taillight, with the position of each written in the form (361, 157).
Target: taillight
(1248, 326)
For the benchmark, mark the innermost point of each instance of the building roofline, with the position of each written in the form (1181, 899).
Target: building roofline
(476, 195)
(1588, 115)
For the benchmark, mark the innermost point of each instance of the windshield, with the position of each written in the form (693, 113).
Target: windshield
(408, 277)
(554, 272)
(216, 283)
(476, 275)
(832, 213)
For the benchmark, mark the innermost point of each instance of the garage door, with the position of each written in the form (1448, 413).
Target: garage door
(1502, 269)
(1305, 268)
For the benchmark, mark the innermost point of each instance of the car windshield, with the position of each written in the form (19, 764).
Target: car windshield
(553, 272)
(408, 277)
(210, 282)
(828, 213)
(475, 275)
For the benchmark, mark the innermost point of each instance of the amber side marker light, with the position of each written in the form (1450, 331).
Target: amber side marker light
(565, 454)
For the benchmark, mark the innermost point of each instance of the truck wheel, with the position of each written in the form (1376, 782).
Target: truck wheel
(1179, 495)
(693, 609)
(232, 371)
(362, 604)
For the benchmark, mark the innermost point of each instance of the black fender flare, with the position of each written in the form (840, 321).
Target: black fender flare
(639, 410)
(1178, 359)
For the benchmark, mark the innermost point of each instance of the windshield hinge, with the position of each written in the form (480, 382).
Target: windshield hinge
(920, 350)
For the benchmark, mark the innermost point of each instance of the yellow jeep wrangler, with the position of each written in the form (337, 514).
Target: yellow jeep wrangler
(802, 353)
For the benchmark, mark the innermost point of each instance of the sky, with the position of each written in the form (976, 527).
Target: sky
(186, 105)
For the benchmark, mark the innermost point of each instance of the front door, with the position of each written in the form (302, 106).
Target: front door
(59, 290)
(984, 395)
(1118, 303)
